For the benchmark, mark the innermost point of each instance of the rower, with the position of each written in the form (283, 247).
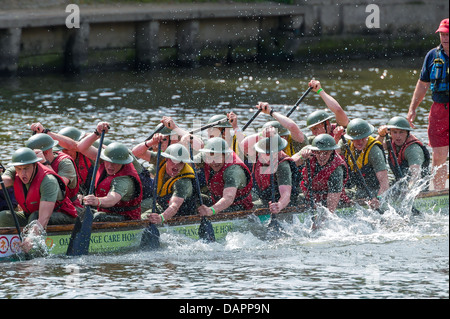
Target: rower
(175, 190)
(68, 139)
(118, 188)
(223, 130)
(328, 174)
(370, 159)
(412, 156)
(319, 121)
(228, 179)
(286, 127)
(40, 192)
(278, 165)
(60, 162)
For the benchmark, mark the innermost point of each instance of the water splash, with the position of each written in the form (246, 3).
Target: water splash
(36, 234)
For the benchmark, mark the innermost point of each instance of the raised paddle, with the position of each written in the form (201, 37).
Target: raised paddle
(158, 129)
(205, 230)
(81, 233)
(251, 120)
(298, 102)
(150, 236)
(207, 126)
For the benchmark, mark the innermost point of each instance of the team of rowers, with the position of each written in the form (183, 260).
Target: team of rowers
(278, 166)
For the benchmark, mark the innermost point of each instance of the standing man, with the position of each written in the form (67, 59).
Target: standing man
(435, 75)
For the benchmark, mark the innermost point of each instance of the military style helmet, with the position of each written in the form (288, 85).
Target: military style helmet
(116, 153)
(399, 122)
(41, 141)
(323, 142)
(24, 156)
(178, 153)
(219, 117)
(70, 132)
(272, 144)
(216, 145)
(281, 130)
(317, 117)
(358, 129)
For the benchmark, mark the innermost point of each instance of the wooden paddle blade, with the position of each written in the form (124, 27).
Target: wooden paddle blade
(150, 238)
(81, 235)
(206, 231)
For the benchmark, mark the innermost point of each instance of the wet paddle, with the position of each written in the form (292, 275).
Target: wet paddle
(205, 230)
(10, 205)
(274, 223)
(298, 102)
(158, 129)
(81, 233)
(251, 120)
(315, 216)
(150, 236)
(207, 126)
(311, 199)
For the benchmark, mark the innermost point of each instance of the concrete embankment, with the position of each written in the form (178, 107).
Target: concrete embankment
(44, 35)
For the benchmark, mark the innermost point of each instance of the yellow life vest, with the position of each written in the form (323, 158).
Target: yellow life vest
(363, 157)
(167, 188)
(289, 150)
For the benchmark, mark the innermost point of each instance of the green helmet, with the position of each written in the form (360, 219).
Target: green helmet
(323, 142)
(317, 117)
(272, 144)
(281, 130)
(167, 131)
(70, 132)
(106, 142)
(216, 145)
(41, 141)
(399, 123)
(178, 153)
(116, 153)
(358, 129)
(219, 117)
(24, 156)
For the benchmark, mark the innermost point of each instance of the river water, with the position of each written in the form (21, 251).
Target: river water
(369, 256)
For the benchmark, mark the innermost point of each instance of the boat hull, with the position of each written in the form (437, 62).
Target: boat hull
(114, 237)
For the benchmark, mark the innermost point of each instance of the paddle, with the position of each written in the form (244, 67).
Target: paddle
(311, 199)
(298, 102)
(391, 150)
(10, 205)
(251, 120)
(158, 129)
(273, 224)
(414, 210)
(205, 230)
(150, 236)
(207, 126)
(361, 177)
(81, 233)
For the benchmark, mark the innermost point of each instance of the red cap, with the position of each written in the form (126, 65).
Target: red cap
(443, 27)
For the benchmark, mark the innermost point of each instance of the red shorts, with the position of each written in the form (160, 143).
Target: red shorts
(438, 125)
